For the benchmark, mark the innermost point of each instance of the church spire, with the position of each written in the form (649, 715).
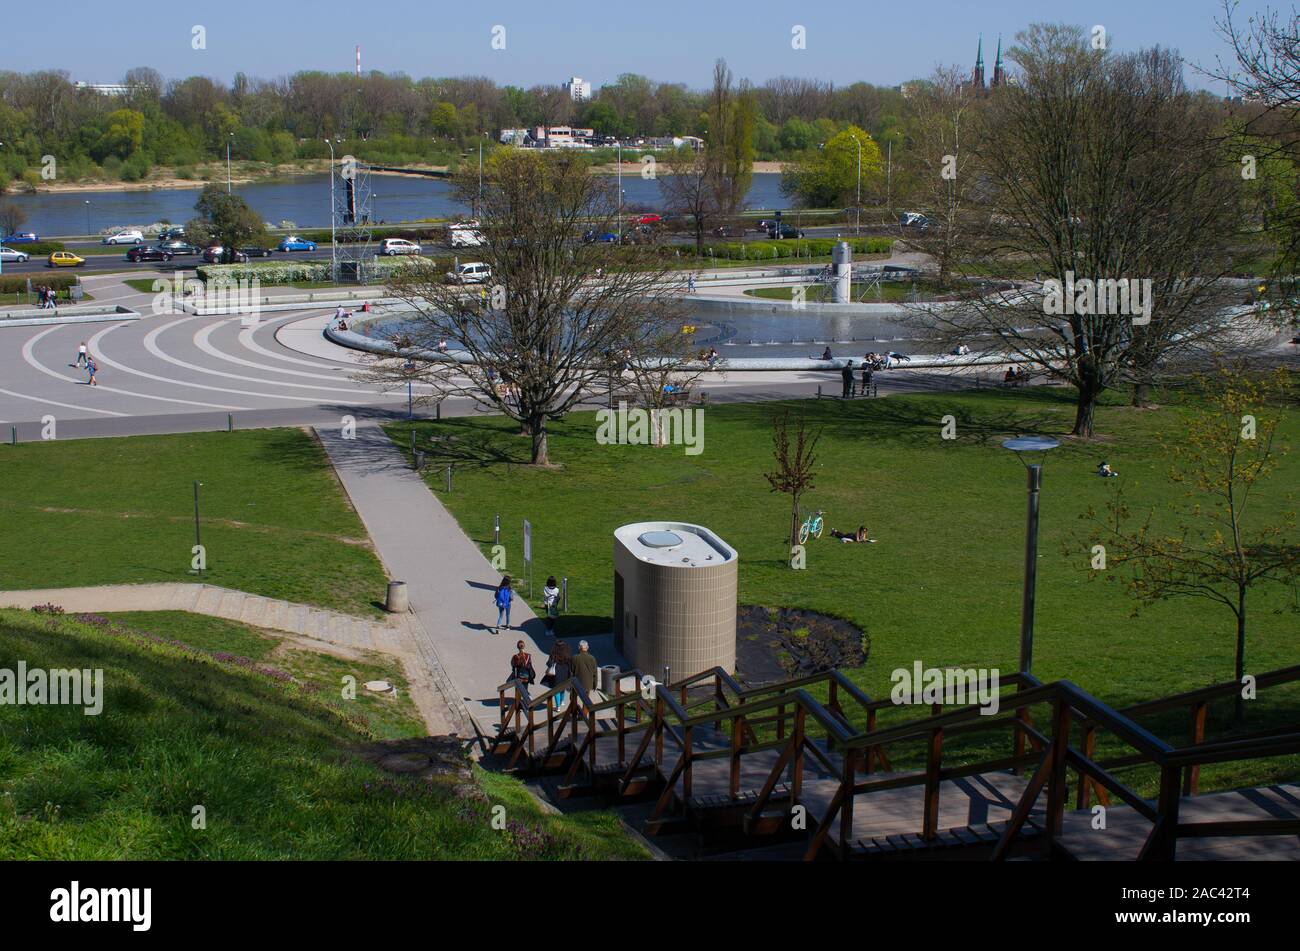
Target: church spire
(978, 79)
(999, 74)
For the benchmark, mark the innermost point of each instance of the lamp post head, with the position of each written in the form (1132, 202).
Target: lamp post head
(1030, 444)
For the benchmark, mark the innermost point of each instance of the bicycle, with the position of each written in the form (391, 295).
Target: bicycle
(812, 525)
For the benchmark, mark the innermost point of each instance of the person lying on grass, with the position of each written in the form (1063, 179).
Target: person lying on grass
(859, 536)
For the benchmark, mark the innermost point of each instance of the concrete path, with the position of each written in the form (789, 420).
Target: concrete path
(450, 582)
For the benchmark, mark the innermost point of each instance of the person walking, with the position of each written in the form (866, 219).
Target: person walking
(846, 374)
(559, 668)
(690, 284)
(866, 378)
(584, 668)
(551, 601)
(92, 369)
(502, 600)
(521, 665)
(83, 355)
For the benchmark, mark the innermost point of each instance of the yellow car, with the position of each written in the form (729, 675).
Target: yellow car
(65, 259)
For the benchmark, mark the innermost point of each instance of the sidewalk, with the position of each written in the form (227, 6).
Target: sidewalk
(449, 581)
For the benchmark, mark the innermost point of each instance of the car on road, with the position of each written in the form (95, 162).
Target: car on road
(148, 253)
(649, 219)
(398, 246)
(729, 231)
(465, 238)
(22, 237)
(295, 243)
(472, 272)
(916, 220)
(216, 255)
(13, 256)
(606, 237)
(257, 252)
(171, 234)
(124, 237)
(784, 231)
(178, 247)
(64, 259)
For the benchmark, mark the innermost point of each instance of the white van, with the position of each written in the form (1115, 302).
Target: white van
(475, 272)
(466, 238)
(399, 246)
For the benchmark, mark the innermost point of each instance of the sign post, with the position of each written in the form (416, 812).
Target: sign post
(528, 553)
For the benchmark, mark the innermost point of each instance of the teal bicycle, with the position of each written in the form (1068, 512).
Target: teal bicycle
(811, 527)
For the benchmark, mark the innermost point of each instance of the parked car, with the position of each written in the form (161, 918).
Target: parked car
(170, 234)
(216, 255)
(295, 243)
(148, 253)
(474, 272)
(784, 231)
(124, 237)
(470, 223)
(13, 255)
(649, 219)
(257, 252)
(914, 219)
(178, 247)
(22, 237)
(592, 235)
(466, 238)
(399, 246)
(64, 259)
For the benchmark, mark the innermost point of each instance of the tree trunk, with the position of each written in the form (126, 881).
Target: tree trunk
(1239, 705)
(1141, 392)
(1086, 407)
(794, 520)
(540, 454)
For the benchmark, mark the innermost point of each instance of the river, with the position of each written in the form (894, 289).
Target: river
(304, 201)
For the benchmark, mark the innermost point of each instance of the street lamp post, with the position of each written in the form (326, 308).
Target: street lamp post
(1034, 473)
(619, 146)
(857, 228)
(479, 202)
(88, 231)
(334, 275)
(228, 138)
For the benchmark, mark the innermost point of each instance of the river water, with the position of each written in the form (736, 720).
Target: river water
(303, 200)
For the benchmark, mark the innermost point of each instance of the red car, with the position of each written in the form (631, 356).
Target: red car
(649, 219)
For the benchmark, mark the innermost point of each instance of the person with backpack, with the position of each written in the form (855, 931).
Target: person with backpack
(551, 601)
(521, 665)
(92, 368)
(502, 600)
(559, 668)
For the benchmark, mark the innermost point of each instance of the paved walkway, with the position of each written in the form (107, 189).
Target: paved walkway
(449, 580)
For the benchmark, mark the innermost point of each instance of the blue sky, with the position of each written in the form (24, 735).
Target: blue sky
(672, 40)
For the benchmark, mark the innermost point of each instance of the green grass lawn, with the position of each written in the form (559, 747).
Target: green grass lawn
(275, 521)
(943, 582)
(282, 771)
(388, 717)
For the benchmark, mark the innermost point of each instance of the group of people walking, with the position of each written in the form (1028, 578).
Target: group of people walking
(561, 664)
(46, 297)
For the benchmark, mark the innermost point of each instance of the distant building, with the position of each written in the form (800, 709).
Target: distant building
(560, 137)
(977, 83)
(105, 89)
(513, 136)
(579, 89)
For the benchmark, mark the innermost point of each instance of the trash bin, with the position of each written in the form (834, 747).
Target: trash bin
(398, 601)
(608, 674)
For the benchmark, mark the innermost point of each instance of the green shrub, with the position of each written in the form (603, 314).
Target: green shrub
(39, 249)
(770, 250)
(17, 283)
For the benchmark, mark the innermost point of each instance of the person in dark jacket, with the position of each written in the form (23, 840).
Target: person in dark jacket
(866, 378)
(521, 665)
(846, 374)
(584, 668)
(560, 667)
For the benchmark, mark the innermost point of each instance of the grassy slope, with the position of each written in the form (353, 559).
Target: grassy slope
(943, 583)
(275, 521)
(273, 765)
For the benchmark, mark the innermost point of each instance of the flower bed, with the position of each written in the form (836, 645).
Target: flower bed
(301, 272)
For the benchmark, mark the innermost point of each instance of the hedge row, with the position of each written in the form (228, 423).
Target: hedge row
(39, 249)
(295, 272)
(771, 249)
(17, 283)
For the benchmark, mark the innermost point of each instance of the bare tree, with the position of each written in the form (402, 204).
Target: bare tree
(557, 318)
(1104, 178)
(689, 188)
(796, 463)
